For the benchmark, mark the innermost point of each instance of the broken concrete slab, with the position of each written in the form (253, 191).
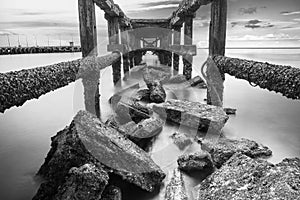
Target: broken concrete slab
(142, 133)
(181, 140)
(175, 190)
(84, 183)
(242, 177)
(157, 92)
(192, 114)
(86, 140)
(224, 148)
(132, 111)
(198, 161)
(112, 192)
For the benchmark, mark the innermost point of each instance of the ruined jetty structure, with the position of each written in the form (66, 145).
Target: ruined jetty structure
(92, 159)
(37, 49)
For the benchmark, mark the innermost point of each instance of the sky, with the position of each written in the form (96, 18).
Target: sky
(251, 23)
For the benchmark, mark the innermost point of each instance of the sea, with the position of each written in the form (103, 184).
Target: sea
(25, 132)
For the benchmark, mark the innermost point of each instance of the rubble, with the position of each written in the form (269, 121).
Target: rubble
(181, 140)
(175, 190)
(198, 161)
(157, 92)
(192, 114)
(242, 177)
(224, 148)
(88, 140)
(84, 183)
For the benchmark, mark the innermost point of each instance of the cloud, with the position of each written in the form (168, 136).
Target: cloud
(287, 13)
(249, 11)
(270, 37)
(253, 24)
(161, 3)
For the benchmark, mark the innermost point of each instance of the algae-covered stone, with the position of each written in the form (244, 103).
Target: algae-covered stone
(157, 92)
(224, 148)
(244, 178)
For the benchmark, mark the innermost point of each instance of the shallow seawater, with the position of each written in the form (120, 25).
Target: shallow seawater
(25, 132)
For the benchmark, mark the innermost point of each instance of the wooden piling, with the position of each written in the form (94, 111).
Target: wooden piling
(125, 41)
(176, 41)
(113, 34)
(217, 41)
(188, 40)
(88, 40)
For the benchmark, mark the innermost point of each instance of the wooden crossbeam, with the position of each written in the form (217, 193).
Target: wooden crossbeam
(113, 10)
(186, 7)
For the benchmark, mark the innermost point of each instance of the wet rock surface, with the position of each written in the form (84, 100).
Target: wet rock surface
(142, 133)
(181, 140)
(230, 111)
(130, 110)
(197, 82)
(84, 183)
(242, 177)
(224, 148)
(142, 95)
(111, 192)
(88, 140)
(175, 189)
(117, 97)
(192, 114)
(198, 161)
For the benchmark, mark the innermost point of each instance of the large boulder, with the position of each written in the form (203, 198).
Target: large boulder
(157, 92)
(193, 114)
(84, 183)
(242, 177)
(198, 161)
(222, 149)
(88, 140)
(175, 190)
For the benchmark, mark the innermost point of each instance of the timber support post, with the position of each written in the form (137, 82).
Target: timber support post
(125, 41)
(88, 40)
(188, 40)
(113, 34)
(217, 42)
(176, 41)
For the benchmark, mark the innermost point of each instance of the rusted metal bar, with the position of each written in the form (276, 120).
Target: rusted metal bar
(277, 78)
(20, 86)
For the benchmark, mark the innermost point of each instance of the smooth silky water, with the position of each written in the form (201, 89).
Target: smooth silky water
(25, 132)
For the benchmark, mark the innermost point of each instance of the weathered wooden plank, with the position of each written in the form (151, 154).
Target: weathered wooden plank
(277, 78)
(217, 41)
(188, 40)
(87, 24)
(141, 23)
(186, 7)
(176, 41)
(88, 40)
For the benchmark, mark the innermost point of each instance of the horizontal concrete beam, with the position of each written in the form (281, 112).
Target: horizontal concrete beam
(186, 7)
(20, 86)
(277, 78)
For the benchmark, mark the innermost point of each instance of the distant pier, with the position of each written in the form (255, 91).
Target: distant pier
(44, 49)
